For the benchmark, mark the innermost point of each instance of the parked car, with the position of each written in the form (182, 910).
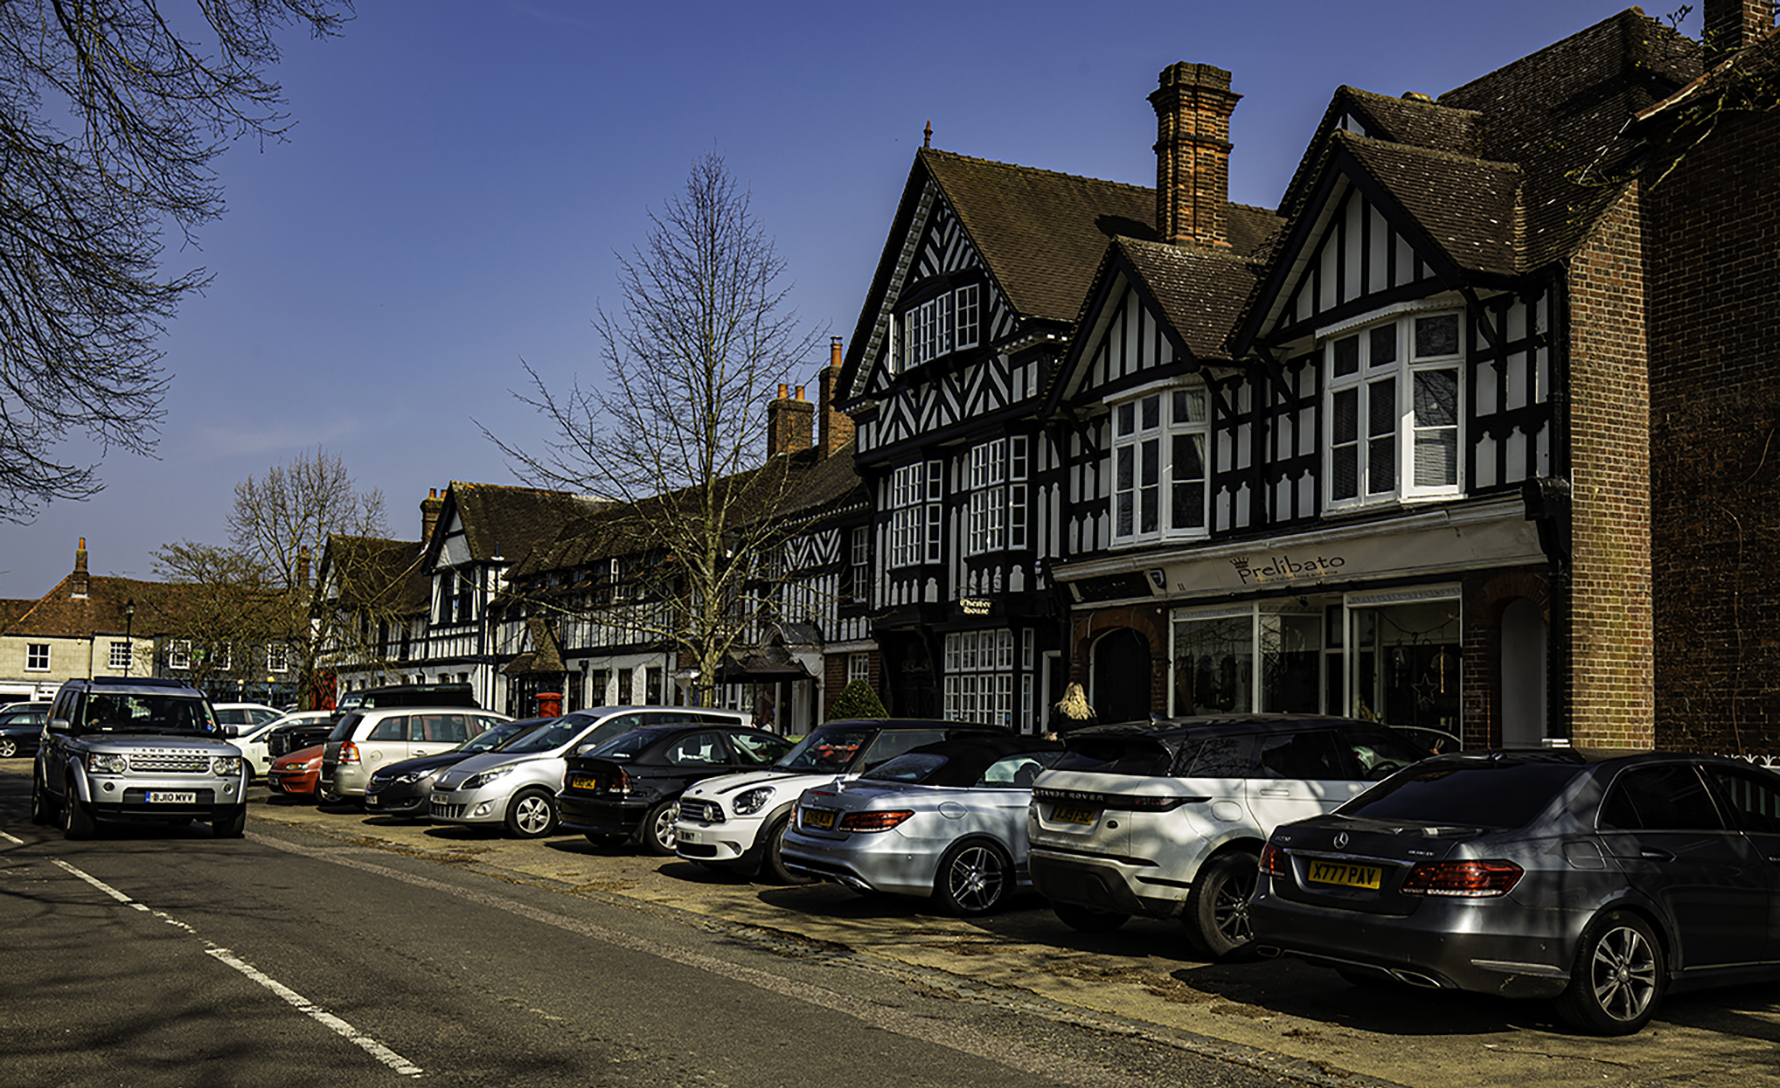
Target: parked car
(946, 821)
(364, 740)
(1603, 880)
(245, 715)
(136, 749)
(630, 786)
(296, 773)
(738, 821)
(20, 726)
(1167, 819)
(402, 789)
(255, 741)
(516, 787)
(289, 738)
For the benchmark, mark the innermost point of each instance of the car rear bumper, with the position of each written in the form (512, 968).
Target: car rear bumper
(880, 862)
(578, 813)
(1105, 884)
(1490, 946)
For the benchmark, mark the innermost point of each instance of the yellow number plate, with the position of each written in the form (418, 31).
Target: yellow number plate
(1071, 814)
(1352, 876)
(821, 819)
(582, 782)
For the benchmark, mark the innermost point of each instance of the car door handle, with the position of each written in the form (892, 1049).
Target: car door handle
(1275, 793)
(1651, 854)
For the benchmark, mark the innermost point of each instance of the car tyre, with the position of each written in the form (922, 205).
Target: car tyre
(975, 878)
(657, 834)
(773, 863)
(531, 814)
(1088, 920)
(1617, 978)
(231, 827)
(8, 747)
(43, 807)
(1217, 907)
(325, 797)
(77, 821)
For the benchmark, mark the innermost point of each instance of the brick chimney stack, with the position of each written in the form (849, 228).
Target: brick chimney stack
(303, 567)
(1193, 105)
(1729, 25)
(429, 514)
(79, 583)
(835, 426)
(788, 422)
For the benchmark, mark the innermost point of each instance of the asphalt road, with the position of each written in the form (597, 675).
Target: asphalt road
(329, 948)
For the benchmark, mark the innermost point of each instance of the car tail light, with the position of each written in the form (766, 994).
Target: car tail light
(1273, 861)
(1464, 879)
(349, 752)
(874, 821)
(623, 783)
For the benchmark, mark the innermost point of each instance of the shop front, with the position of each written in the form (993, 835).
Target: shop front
(1422, 620)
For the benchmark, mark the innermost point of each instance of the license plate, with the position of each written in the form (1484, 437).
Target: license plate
(1351, 876)
(372, 800)
(687, 835)
(819, 818)
(582, 782)
(163, 797)
(1073, 814)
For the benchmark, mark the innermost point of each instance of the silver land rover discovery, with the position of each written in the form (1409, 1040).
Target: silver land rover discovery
(140, 749)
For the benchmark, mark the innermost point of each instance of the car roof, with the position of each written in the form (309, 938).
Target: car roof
(1210, 724)
(908, 723)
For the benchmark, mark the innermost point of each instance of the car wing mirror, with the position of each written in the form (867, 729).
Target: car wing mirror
(57, 725)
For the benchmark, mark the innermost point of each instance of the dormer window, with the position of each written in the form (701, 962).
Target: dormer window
(948, 322)
(1393, 405)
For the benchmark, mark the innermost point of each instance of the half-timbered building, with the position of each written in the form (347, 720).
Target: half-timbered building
(1398, 466)
(973, 302)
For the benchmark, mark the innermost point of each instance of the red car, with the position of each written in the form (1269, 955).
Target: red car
(296, 774)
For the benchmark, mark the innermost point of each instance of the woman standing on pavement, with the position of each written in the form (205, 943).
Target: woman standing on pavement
(1072, 711)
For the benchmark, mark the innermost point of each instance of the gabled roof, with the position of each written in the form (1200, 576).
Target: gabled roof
(1500, 177)
(505, 522)
(1038, 232)
(379, 574)
(60, 614)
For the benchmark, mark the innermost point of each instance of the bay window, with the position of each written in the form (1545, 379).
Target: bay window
(1393, 405)
(1159, 466)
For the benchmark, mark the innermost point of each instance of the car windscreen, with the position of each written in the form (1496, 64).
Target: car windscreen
(825, 751)
(1471, 794)
(495, 736)
(548, 737)
(119, 712)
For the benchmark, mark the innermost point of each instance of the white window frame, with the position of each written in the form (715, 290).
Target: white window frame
(277, 657)
(996, 518)
(119, 656)
(37, 656)
(1398, 427)
(179, 654)
(1182, 413)
(979, 685)
(949, 321)
(916, 492)
(859, 667)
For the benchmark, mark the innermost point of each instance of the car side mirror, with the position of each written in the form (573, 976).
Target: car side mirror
(231, 730)
(57, 725)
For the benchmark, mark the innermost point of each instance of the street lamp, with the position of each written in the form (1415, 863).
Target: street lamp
(129, 626)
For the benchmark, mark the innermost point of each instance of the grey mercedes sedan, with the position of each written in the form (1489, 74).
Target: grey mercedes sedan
(1600, 879)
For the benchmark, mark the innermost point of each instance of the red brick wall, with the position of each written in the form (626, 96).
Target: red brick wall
(834, 680)
(1608, 693)
(1715, 440)
(1146, 620)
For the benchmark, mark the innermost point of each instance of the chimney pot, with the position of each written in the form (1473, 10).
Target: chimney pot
(788, 423)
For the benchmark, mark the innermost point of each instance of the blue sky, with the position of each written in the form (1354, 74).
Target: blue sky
(461, 172)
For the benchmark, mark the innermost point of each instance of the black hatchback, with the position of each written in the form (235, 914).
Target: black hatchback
(404, 788)
(630, 786)
(1601, 879)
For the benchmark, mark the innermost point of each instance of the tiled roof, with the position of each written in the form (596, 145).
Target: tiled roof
(1040, 232)
(1558, 114)
(1200, 291)
(380, 574)
(60, 614)
(1399, 120)
(1468, 206)
(508, 522)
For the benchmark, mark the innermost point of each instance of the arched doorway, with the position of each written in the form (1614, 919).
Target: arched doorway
(1120, 681)
(1523, 674)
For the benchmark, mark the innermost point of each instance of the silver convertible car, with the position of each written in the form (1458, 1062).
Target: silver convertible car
(1599, 879)
(945, 820)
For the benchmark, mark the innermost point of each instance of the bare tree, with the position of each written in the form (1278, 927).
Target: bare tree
(82, 300)
(219, 611)
(258, 592)
(674, 436)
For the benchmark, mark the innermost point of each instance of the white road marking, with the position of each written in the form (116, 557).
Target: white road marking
(297, 1001)
(10, 839)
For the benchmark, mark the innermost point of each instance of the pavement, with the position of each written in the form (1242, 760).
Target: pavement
(1302, 1022)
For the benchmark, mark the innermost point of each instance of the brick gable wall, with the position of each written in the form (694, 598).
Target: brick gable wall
(1609, 691)
(1715, 398)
